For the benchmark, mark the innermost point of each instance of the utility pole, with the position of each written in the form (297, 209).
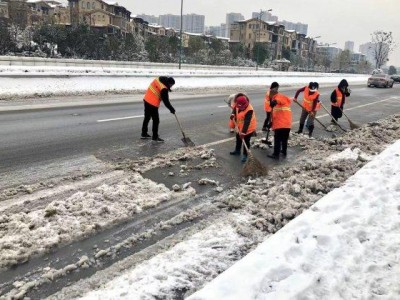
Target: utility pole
(180, 46)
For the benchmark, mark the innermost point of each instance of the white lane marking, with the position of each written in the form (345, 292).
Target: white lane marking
(222, 106)
(118, 119)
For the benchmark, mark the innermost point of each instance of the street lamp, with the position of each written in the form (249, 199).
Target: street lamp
(180, 46)
(259, 36)
(310, 48)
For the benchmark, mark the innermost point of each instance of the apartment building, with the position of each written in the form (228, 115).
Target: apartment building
(170, 21)
(252, 31)
(108, 17)
(230, 19)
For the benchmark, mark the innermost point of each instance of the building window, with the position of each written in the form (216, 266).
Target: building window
(88, 5)
(83, 4)
(93, 5)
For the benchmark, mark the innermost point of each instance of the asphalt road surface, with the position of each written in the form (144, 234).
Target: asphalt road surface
(34, 137)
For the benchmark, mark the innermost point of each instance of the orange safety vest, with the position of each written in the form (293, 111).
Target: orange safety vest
(153, 93)
(308, 101)
(281, 113)
(267, 106)
(339, 98)
(240, 115)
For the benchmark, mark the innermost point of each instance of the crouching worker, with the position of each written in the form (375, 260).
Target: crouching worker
(244, 117)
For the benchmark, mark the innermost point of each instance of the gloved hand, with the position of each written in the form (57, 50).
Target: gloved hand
(172, 110)
(242, 135)
(273, 103)
(295, 99)
(232, 116)
(312, 113)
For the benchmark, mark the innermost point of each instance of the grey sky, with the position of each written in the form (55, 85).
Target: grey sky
(334, 20)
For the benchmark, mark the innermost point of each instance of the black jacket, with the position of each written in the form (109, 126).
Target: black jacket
(165, 95)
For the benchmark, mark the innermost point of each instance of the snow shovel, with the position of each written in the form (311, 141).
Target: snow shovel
(337, 124)
(186, 141)
(252, 167)
(314, 118)
(268, 143)
(352, 125)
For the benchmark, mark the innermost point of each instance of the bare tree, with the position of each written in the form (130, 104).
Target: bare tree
(383, 45)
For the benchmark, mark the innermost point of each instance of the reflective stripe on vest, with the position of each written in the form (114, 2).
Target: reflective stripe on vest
(339, 98)
(153, 93)
(308, 101)
(282, 113)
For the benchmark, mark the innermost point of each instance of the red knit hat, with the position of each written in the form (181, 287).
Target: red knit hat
(242, 102)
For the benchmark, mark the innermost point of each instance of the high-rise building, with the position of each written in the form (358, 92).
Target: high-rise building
(298, 27)
(170, 21)
(193, 23)
(230, 19)
(149, 19)
(266, 16)
(349, 45)
(368, 50)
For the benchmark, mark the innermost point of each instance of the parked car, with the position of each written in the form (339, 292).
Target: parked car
(380, 80)
(396, 78)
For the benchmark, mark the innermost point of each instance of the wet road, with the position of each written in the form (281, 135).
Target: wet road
(30, 138)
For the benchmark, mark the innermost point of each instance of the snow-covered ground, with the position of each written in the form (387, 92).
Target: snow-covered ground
(28, 81)
(37, 217)
(345, 246)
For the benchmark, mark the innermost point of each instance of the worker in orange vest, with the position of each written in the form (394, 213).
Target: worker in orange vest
(310, 106)
(245, 119)
(156, 92)
(338, 99)
(281, 120)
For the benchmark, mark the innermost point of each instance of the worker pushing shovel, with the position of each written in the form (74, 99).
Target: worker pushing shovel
(244, 119)
(333, 120)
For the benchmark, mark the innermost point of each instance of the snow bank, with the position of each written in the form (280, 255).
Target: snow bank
(48, 81)
(347, 244)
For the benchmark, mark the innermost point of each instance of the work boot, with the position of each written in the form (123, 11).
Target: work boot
(301, 126)
(236, 152)
(145, 136)
(310, 130)
(244, 158)
(158, 140)
(273, 156)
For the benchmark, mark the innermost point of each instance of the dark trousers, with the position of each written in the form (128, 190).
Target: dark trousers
(239, 143)
(150, 112)
(267, 119)
(281, 138)
(336, 112)
(306, 116)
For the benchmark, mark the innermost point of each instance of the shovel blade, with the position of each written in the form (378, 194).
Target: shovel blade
(188, 142)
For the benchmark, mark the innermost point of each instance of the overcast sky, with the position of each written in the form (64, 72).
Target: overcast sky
(334, 20)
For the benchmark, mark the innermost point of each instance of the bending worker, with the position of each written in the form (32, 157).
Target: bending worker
(310, 106)
(245, 118)
(156, 92)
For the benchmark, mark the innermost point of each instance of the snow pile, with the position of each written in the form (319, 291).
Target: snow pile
(42, 220)
(267, 204)
(50, 81)
(345, 245)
